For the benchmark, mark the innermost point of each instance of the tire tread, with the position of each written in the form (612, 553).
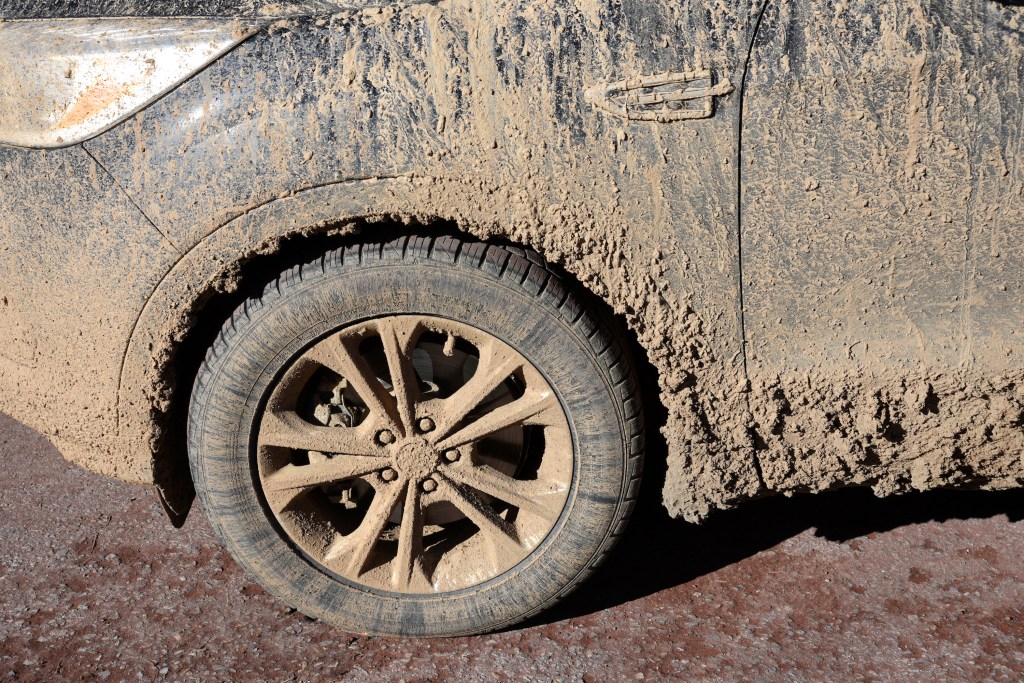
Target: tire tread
(520, 267)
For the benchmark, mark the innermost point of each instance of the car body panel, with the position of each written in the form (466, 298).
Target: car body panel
(71, 246)
(882, 209)
(480, 110)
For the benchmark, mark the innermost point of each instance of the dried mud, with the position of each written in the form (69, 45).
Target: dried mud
(880, 275)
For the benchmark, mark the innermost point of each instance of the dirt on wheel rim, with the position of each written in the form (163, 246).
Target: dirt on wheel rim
(414, 454)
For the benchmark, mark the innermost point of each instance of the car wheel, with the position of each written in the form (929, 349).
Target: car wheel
(426, 437)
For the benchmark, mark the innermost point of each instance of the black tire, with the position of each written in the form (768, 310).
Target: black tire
(505, 292)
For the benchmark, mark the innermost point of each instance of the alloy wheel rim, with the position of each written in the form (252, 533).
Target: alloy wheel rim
(414, 454)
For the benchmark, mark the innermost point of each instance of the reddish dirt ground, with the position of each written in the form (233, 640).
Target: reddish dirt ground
(96, 585)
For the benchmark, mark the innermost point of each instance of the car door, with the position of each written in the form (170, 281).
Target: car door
(881, 210)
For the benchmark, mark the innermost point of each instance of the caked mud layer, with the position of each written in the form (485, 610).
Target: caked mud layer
(882, 270)
(881, 276)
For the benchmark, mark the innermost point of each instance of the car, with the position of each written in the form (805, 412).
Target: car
(391, 285)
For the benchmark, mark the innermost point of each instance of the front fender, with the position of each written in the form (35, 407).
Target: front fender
(480, 118)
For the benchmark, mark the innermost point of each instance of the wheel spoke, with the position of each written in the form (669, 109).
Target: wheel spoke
(288, 482)
(500, 535)
(349, 553)
(288, 430)
(533, 407)
(342, 355)
(407, 569)
(536, 497)
(398, 336)
(494, 367)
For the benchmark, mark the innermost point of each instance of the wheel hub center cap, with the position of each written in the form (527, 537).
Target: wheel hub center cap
(417, 458)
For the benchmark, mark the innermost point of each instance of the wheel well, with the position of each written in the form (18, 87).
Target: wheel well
(250, 276)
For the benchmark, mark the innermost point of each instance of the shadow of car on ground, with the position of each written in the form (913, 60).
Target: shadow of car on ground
(657, 552)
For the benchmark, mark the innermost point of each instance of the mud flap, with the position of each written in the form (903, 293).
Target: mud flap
(176, 494)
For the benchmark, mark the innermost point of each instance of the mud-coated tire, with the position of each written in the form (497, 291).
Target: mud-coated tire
(507, 293)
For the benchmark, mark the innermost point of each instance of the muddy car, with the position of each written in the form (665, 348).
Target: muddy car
(377, 280)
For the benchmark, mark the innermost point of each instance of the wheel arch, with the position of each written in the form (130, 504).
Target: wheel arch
(235, 261)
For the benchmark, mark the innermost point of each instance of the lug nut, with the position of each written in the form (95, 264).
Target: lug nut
(452, 455)
(426, 424)
(385, 437)
(388, 474)
(428, 485)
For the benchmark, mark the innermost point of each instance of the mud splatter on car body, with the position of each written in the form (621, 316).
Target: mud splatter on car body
(823, 269)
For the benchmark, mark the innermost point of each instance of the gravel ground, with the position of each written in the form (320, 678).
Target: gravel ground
(96, 585)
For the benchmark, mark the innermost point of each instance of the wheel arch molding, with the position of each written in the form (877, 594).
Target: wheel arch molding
(183, 315)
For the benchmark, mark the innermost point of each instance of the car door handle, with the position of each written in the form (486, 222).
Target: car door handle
(671, 96)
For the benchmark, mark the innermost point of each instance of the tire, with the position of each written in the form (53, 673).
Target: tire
(361, 512)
